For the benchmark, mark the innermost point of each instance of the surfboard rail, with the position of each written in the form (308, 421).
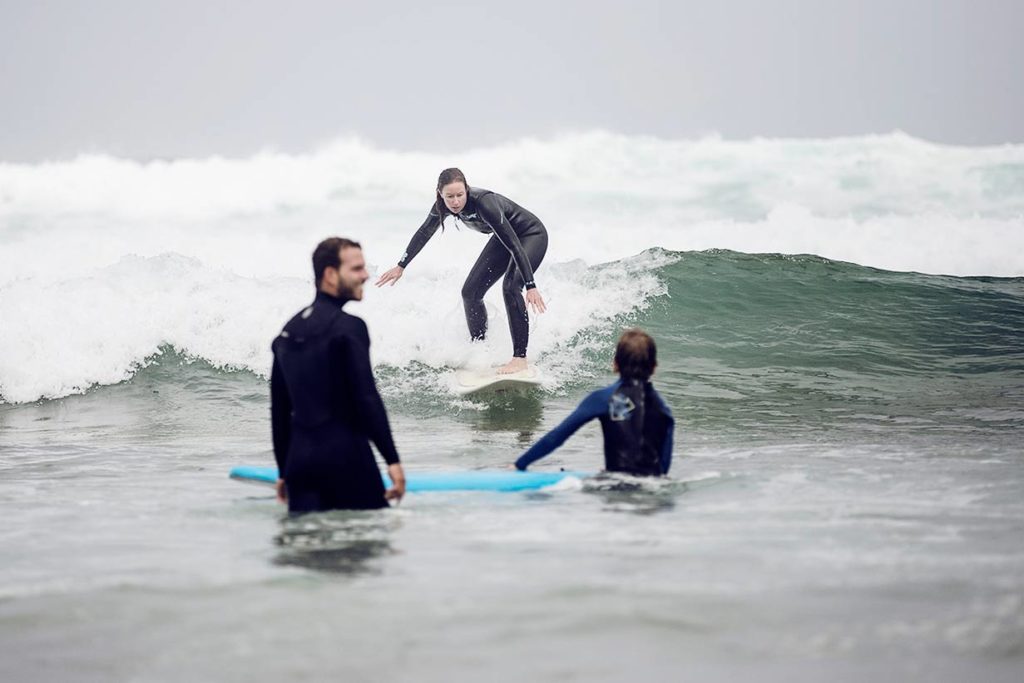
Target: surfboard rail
(469, 381)
(453, 480)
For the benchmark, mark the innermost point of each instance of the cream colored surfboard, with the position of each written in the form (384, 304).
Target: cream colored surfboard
(469, 381)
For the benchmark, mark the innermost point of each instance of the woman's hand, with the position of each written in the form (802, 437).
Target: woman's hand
(534, 299)
(390, 276)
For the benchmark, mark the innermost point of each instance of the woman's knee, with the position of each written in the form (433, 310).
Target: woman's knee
(471, 293)
(512, 288)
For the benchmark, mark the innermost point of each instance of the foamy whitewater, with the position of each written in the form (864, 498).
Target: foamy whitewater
(841, 339)
(210, 256)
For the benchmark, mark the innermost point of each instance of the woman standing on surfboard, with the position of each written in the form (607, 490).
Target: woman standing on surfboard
(515, 250)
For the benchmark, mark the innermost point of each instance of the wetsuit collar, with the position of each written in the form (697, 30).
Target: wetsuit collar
(325, 298)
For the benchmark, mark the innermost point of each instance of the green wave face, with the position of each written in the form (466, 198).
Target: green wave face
(766, 345)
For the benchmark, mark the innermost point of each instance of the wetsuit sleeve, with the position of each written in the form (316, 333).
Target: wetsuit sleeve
(373, 418)
(592, 407)
(506, 234)
(665, 457)
(280, 416)
(420, 239)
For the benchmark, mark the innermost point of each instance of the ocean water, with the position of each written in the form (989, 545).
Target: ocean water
(841, 338)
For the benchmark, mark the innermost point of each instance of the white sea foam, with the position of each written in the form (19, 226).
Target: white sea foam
(103, 260)
(101, 327)
(68, 334)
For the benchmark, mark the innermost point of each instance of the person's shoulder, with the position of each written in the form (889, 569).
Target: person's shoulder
(487, 198)
(293, 327)
(346, 323)
(604, 393)
(660, 399)
(299, 319)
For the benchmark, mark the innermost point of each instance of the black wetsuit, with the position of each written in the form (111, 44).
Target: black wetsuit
(516, 250)
(637, 426)
(324, 410)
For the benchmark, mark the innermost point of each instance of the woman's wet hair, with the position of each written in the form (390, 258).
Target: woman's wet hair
(636, 355)
(447, 177)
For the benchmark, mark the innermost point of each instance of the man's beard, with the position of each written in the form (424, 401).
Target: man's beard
(348, 293)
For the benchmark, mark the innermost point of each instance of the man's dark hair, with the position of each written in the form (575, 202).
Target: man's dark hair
(636, 355)
(328, 255)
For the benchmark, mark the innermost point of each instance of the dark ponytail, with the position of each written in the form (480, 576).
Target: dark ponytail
(448, 176)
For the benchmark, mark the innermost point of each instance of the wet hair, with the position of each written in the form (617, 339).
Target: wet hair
(328, 255)
(636, 355)
(448, 176)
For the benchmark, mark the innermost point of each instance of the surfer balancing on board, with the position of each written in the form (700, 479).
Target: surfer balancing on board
(636, 423)
(516, 248)
(324, 404)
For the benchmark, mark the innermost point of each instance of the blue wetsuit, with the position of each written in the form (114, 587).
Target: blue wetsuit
(325, 409)
(515, 251)
(636, 423)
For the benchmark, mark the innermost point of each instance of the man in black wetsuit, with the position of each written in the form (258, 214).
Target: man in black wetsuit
(636, 423)
(515, 250)
(325, 408)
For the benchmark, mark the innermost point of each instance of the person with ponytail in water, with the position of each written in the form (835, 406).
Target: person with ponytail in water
(516, 248)
(636, 422)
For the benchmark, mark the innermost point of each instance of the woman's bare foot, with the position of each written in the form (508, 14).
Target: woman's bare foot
(513, 366)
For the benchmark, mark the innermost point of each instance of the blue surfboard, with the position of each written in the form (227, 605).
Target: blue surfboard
(467, 480)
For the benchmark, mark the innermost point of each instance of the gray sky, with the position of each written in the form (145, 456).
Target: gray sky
(176, 78)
